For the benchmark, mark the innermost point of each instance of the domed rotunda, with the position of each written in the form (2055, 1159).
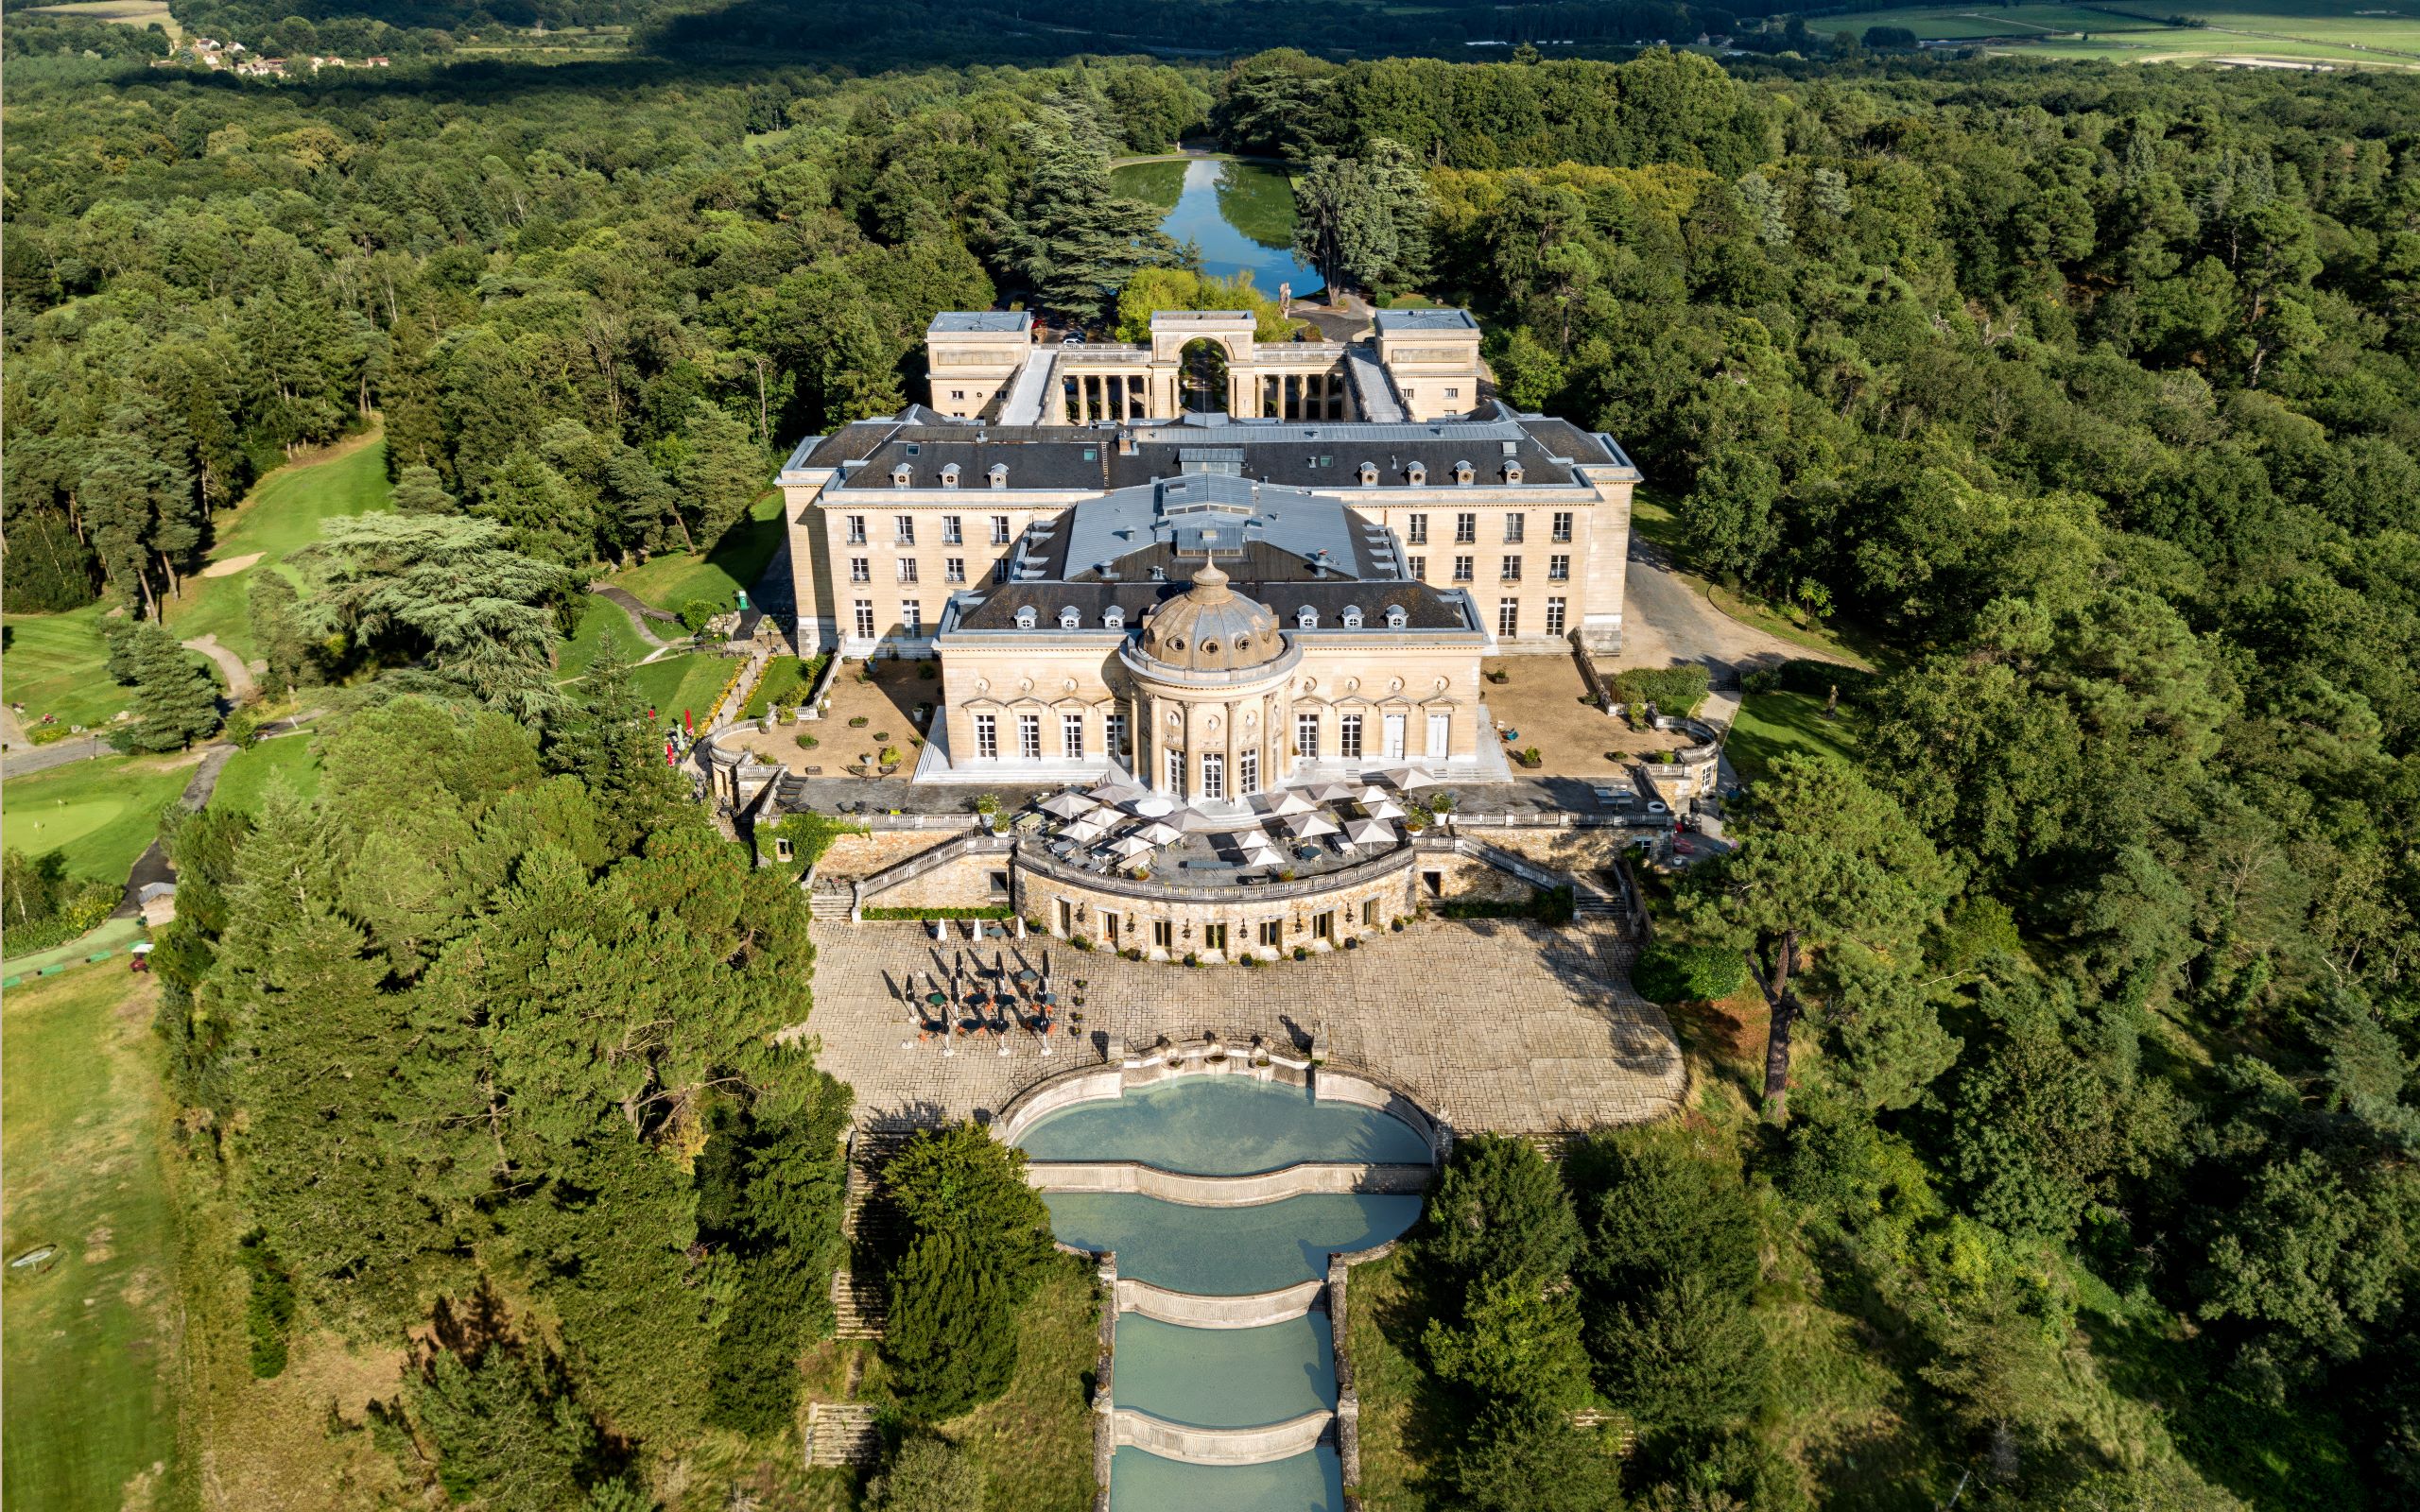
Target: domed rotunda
(1210, 628)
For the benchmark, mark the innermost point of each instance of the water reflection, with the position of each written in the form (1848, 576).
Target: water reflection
(1240, 215)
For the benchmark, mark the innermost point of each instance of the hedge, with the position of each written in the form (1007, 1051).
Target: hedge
(1672, 690)
(1816, 680)
(920, 915)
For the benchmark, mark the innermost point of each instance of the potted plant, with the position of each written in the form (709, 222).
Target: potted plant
(1302, 952)
(859, 721)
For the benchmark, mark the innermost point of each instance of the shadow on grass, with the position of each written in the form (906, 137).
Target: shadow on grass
(1773, 725)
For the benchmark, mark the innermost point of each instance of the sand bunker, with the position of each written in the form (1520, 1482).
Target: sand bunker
(232, 565)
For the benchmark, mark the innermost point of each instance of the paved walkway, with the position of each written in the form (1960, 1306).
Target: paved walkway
(240, 686)
(639, 614)
(1492, 1024)
(1667, 622)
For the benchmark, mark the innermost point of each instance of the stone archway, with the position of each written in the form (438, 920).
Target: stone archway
(1201, 375)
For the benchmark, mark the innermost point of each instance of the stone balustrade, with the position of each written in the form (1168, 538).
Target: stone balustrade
(1194, 1309)
(1222, 1446)
(1306, 1178)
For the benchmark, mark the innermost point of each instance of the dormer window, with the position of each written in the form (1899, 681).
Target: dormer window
(1306, 618)
(1025, 618)
(999, 474)
(1462, 473)
(1113, 617)
(1369, 474)
(1511, 472)
(901, 476)
(1396, 618)
(1416, 474)
(1352, 616)
(1070, 619)
(949, 477)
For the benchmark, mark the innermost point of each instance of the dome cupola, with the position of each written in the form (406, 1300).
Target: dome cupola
(1209, 627)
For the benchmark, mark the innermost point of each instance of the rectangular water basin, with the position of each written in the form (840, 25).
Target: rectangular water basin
(1226, 1251)
(1226, 1378)
(1140, 1481)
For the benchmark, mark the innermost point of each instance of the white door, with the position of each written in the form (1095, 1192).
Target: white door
(1395, 737)
(1439, 731)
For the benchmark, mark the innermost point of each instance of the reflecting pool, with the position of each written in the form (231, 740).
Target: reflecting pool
(1226, 1251)
(1142, 1482)
(1223, 1125)
(1240, 215)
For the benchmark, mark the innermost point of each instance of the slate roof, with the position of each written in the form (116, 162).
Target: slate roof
(1424, 320)
(961, 322)
(1424, 607)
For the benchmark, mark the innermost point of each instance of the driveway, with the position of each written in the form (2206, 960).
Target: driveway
(1667, 622)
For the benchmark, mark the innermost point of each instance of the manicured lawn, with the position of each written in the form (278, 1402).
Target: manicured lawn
(1777, 724)
(89, 1347)
(279, 517)
(599, 623)
(244, 784)
(786, 680)
(670, 684)
(733, 563)
(55, 664)
(103, 814)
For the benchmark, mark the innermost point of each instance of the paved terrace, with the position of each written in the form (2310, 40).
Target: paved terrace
(1491, 1024)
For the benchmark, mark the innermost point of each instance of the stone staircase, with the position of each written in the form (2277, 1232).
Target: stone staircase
(841, 1433)
(858, 1308)
(830, 902)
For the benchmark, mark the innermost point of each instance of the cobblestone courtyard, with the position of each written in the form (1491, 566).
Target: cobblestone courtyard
(1491, 1024)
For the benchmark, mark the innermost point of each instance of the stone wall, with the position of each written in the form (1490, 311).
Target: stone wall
(1195, 1310)
(1566, 849)
(1357, 908)
(1222, 1446)
(1467, 877)
(852, 856)
(1305, 1179)
(964, 883)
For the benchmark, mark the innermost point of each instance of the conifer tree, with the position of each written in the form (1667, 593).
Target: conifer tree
(1071, 235)
(952, 1329)
(419, 490)
(174, 701)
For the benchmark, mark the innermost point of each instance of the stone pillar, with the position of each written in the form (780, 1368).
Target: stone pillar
(1235, 772)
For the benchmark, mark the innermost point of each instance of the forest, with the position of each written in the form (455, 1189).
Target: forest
(2084, 396)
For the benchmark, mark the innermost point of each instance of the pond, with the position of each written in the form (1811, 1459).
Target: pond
(1240, 215)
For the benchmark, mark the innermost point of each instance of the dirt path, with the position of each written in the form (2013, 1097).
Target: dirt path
(240, 686)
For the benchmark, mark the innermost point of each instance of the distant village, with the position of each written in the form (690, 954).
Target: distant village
(208, 52)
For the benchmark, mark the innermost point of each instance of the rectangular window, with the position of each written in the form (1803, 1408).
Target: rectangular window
(1163, 933)
(865, 619)
(1324, 925)
(1213, 775)
(906, 536)
(907, 569)
(1466, 528)
(911, 616)
(856, 530)
(1348, 737)
(1369, 910)
(1071, 734)
(1176, 773)
(954, 569)
(1559, 567)
(1563, 525)
(1030, 736)
(860, 570)
(1453, 394)
(1306, 736)
(1516, 527)
(1118, 749)
(1462, 569)
(1000, 530)
(987, 737)
(953, 530)
(1419, 566)
(1554, 616)
(1273, 932)
(1512, 570)
(1416, 529)
(1508, 616)
(1248, 772)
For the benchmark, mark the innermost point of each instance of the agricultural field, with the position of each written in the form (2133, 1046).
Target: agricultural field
(135, 13)
(93, 1333)
(2284, 32)
(280, 516)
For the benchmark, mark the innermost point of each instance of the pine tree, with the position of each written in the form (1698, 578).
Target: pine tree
(174, 701)
(139, 498)
(507, 1432)
(420, 491)
(1071, 236)
(951, 1331)
(275, 611)
(604, 738)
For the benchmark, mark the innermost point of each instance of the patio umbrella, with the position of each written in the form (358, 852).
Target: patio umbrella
(1116, 790)
(1132, 846)
(1385, 809)
(1408, 778)
(1330, 793)
(1368, 832)
(1371, 793)
(1087, 829)
(1067, 805)
(1152, 805)
(1193, 821)
(1285, 800)
(1303, 826)
(1159, 832)
(1257, 847)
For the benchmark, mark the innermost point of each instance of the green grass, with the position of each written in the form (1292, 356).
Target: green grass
(733, 563)
(786, 680)
(245, 782)
(1771, 725)
(103, 814)
(1035, 1443)
(1402, 1426)
(54, 664)
(282, 515)
(669, 685)
(599, 623)
(89, 1344)
(2295, 30)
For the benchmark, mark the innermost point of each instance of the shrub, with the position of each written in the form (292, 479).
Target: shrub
(1668, 971)
(269, 1310)
(1529, 757)
(1302, 952)
(927, 1475)
(882, 734)
(1134, 953)
(695, 614)
(859, 721)
(926, 672)
(1672, 690)
(958, 1180)
(887, 755)
(1247, 959)
(1080, 942)
(987, 803)
(1192, 959)
(921, 915)
(952, 1330)
(1764, 679)
(1499, 1211)
(1816, 680)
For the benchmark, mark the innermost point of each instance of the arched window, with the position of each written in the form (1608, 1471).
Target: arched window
(1025, 618)
(1306, 618)
(1352, 616)
(1369, 474)
(949, 477)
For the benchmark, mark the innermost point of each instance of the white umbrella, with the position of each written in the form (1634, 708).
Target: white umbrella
(1116, 790)
(1151, 805)
(1285, 800)
(1371, 793)
(1159, 832)
(1385, 809)
(1368, 832)
(1067, 805)
(1257, 847)
(1330, 793)
(1303, 826)
(1087, 828)
(1131, 846)
(1408, 778)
